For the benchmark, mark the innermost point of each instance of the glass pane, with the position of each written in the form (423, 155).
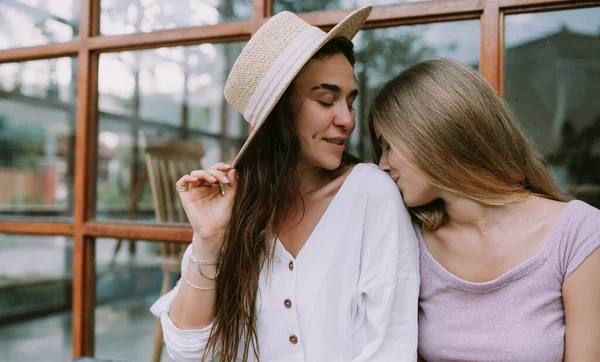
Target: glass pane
(552, 81)
(316, 5)
(143, 16)
(166, 93)
(35, 297)
(34, 22)
(37, 138)
(129, 279)
(383, 53)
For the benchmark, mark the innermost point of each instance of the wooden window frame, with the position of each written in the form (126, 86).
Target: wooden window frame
(90, 44)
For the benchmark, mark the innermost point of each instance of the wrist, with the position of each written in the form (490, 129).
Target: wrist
(206, 249)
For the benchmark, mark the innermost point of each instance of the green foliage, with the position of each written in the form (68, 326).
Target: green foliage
(21, 146)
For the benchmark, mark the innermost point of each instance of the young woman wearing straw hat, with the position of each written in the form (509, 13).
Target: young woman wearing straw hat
(306, 255)
(510, 270)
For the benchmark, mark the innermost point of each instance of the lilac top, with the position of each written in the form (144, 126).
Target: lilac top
(517, 317)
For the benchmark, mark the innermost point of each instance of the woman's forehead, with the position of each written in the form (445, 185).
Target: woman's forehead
(334, 70)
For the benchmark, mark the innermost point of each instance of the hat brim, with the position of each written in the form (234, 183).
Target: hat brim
(346, 28)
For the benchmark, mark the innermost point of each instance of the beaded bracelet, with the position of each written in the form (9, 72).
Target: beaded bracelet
(197, 287)
(199, 263)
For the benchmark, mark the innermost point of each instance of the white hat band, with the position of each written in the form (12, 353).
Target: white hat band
(272, 84)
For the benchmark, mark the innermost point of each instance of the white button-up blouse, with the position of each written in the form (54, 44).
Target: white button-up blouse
(351, 294)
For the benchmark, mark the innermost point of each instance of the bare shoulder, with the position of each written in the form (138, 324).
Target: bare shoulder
(579, 213)
(544, 210)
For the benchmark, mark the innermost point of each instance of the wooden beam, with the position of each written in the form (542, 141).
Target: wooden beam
(525, 5)
(26, 54)
(489, 62)
(261, 11)
(85, 182)
(84, 296)
(224, 32)
(93, 28)
(36, 227)
(137, 231)
(411, 13)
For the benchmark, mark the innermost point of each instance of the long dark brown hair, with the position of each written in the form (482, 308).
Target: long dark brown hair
(267, 184)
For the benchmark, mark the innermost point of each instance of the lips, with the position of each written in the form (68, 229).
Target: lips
(335, 142)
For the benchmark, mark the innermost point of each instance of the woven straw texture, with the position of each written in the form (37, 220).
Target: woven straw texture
(258, 56)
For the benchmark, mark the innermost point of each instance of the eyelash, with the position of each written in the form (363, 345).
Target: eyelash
(324, 104)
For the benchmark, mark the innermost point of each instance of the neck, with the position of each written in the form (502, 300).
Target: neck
(468, 214)
(311, 178)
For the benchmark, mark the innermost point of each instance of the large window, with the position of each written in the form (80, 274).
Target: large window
(35, 281)
(37, 135)
(383, 53)
(144, 16)
(172, 93)
(34, 22)
(86, 85)
(552, 81)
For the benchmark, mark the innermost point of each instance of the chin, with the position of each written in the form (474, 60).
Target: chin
(330, 164)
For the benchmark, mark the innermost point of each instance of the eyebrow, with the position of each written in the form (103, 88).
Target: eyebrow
(333, 88)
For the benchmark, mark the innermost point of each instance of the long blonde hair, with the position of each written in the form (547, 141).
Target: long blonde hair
(447, 120)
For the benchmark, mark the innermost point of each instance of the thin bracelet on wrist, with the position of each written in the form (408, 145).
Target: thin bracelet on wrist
(197, 287)
(199, 263)
(202, 262)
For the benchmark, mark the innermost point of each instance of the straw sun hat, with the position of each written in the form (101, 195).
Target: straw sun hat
(272, 59)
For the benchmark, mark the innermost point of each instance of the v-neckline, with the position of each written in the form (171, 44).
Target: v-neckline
(325, 214)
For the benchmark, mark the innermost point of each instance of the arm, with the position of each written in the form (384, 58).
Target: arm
(186, 313)
(390, 283)
(193, 308)
(184, 341)
(581, 298)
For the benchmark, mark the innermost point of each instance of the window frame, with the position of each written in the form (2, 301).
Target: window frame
(86, 49)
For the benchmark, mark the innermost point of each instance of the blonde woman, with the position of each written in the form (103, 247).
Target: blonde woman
(510, 271)
(308, 255)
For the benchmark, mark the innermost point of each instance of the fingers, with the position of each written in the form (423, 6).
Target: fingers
(221, 166)
(229, 192)
(184, 182)
(212, 174)
(210, 177)
(204, 177)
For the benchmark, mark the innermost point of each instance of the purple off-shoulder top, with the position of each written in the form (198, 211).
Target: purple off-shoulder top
(516, 317)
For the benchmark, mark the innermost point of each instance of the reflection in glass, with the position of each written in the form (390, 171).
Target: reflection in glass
(383, 53)
(128, 281)
(33, 22)
(552, 81)
(317, 5)
(37, 138)
(35, 297)
(143, 16)
(167, 93)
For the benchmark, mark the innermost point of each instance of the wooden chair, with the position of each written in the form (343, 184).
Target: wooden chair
(166, 162)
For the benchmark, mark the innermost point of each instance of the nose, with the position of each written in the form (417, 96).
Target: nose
(383, 162)
(344, 117)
